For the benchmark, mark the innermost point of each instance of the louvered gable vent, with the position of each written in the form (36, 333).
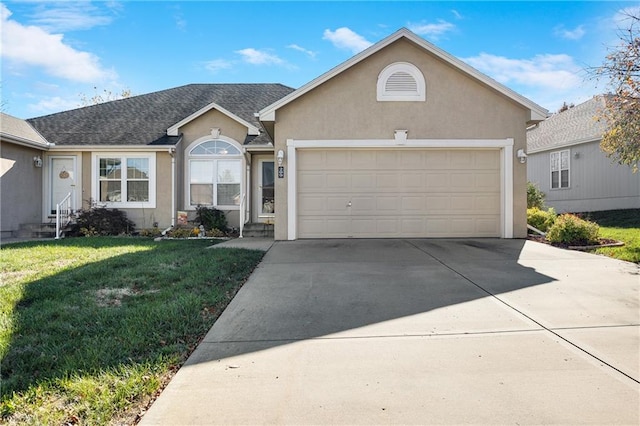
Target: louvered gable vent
(401, 81)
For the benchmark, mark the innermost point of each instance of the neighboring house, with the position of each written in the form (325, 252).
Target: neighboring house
(567, 164)
(401, 140)
(22, 151)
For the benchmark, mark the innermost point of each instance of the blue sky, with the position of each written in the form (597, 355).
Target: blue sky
(52, 52)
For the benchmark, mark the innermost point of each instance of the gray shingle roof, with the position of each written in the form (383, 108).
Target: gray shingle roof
(17, 129)
(573, 126)
(144, 119)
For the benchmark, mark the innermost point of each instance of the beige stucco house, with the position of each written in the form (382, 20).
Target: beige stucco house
(22, 149)
(402, 140)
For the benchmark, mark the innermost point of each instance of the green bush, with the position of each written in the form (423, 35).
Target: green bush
(102, 221)
(151, 232)
(211, 218)
(571, 230)
(535, 197)
(541, 219)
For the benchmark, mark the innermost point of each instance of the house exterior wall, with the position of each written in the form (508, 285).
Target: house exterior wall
(595, 181)
(456, 107)
(21, 187)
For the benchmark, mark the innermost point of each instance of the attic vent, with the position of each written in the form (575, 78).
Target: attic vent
(401, 81)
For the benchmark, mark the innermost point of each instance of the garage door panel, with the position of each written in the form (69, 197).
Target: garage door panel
(338, 182)
(405, 193)
(363, 181)
(413, 204)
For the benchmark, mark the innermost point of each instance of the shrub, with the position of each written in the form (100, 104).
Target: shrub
(535, 197)
(151, 232)
(182, 233)
(211, 218)
(570, 229)
(541, 219)
(103, 221)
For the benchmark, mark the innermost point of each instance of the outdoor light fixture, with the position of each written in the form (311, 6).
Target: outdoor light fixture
(280, 157)
(521, 156)
(37, 162)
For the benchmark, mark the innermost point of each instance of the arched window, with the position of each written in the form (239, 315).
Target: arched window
(401, 81)
(214, 174)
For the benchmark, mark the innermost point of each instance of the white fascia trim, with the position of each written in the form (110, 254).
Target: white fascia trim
(5, 137)
(538, 113)
(113, 148)
(506, 168)
(251, 129)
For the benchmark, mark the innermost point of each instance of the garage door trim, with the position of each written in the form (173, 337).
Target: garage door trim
(506, 168)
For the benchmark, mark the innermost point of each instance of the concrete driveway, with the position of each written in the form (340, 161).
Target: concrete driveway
(417, 331)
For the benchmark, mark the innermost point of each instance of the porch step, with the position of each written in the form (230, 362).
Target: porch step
(259, 230)
(36, 230)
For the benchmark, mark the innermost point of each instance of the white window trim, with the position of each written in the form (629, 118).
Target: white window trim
(123, 156)
(506, 169)
(187, 170)
(559, 153)
(388, 71)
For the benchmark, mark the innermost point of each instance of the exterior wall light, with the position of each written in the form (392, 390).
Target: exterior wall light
(521, 156)
(37, 161)
(280, 157)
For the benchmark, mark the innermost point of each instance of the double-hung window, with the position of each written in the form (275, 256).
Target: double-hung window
(560, 169)
(215, 174)
(126, 180)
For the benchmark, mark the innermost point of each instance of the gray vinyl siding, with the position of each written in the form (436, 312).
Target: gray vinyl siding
(595, 181)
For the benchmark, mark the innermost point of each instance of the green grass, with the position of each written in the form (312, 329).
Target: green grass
(92, 328)
(620, 225)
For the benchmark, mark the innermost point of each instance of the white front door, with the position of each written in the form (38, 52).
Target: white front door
(63, 180)
(264, 205)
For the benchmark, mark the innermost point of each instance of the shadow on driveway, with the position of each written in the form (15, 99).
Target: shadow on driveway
(358, 288)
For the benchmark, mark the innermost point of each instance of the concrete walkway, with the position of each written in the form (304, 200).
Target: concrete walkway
(418, 332)
(262, 244)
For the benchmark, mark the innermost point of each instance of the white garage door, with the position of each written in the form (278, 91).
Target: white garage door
(398, 193)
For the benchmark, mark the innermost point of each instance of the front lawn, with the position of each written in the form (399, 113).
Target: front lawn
(621, 225)
(91, 329)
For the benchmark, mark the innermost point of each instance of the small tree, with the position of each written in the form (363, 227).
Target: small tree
(104, 96)
(621, 139)
(535, 197)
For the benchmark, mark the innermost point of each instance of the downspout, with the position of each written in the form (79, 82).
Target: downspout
(172, 153)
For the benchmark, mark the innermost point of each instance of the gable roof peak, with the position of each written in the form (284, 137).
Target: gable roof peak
(536, 112)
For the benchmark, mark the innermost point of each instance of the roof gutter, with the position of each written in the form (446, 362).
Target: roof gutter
(25, 142)
(113, 148)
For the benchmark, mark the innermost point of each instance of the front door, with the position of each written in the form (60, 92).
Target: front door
(63, 180)
(264, 206)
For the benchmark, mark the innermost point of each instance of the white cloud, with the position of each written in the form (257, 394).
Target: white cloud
(69, 16)
(53, 104)
(33, 46)
(575, 34)
(218, 65)
(258, 57)
(546, 79)
(456, 14)
(432, 30)
(344, 38)
(310, 53)
(549, 71)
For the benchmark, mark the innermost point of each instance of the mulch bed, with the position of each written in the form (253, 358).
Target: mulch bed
(602, 242)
